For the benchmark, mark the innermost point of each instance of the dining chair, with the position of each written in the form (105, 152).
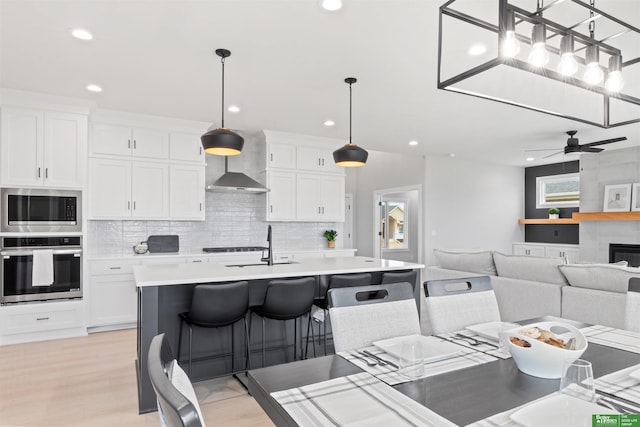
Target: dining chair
(453, 304)
(177, 402)
(632, 309)
(364, 314)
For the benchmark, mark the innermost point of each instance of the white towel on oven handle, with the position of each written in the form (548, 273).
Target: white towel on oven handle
(42, 273)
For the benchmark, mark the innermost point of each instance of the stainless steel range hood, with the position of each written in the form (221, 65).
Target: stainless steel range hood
(236, 181)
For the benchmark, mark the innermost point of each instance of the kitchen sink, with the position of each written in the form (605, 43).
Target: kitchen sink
(262, 264)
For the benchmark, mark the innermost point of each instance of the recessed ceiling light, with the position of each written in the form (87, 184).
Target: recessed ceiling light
(477, 49)
(81, 34)
(94, 88)
(329, 123)
(413, 143)
(452, 154)
(233, 109)
(331, 5)
(530, 159)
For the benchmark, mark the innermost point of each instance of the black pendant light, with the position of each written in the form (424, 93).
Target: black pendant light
(222, 141)
(350, 155)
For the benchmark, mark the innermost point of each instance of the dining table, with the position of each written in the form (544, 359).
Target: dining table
(461, 396)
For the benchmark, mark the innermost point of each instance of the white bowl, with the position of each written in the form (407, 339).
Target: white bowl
(541, 359)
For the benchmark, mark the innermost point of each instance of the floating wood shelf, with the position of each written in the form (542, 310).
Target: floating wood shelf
(606, 216)
(549, 221)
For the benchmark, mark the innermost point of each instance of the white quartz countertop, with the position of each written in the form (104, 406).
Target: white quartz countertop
(177, 274)
(200, 253)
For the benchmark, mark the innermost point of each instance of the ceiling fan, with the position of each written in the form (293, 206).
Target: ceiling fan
(573, 145)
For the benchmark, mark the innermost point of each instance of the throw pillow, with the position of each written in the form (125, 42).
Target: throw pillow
(536, 269)
(603, 277)
(473, 262)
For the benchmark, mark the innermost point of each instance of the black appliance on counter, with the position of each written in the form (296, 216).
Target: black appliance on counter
(17, 266)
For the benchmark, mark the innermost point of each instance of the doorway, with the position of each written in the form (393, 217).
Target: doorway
(398, 223)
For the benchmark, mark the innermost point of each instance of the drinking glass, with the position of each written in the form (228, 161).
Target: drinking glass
(411, 359)
(577, 380)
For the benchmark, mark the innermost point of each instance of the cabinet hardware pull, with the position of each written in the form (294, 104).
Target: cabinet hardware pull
(134, 205)
(134, 144)
(319, 211)
(115, 268)
(322, 162)
(323, 210)
(319, 163)
(201, 151)
(128, 143)
(46, 173)
(271, 157)
(201, 206)
(38, 172)
(270, 208)
(197, 260)
(128, 206)
(42, 318)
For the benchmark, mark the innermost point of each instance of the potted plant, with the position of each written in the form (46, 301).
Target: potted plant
(554, 213)
(331, 235)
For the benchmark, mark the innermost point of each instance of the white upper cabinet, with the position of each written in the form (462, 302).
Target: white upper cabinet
(281, 200)
(316, 159)
(42, 148)
(125, 189)
(119, 140)
(281, 156)
(185, 147)
(186, 192)
(320, 197)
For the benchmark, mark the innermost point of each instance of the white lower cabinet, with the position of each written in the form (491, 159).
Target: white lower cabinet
(40, 321)
(113, 295)
(570, 252)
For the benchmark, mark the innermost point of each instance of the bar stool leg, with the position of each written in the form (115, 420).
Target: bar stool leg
(263, 342)
(190, 337)
(180, 338)
(247, 362)
(295, 341)
(233, 350)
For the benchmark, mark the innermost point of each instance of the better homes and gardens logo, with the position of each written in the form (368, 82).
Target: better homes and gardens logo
(623, 420)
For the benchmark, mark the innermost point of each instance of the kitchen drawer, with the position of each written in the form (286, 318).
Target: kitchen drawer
(112, 267)
(197, 260)
(35, 318)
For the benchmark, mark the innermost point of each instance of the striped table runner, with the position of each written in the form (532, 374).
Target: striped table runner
(356, 400)
(612, 337)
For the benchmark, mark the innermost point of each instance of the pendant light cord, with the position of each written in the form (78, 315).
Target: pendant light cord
(222, 60)
(592, 22)
(350, 114)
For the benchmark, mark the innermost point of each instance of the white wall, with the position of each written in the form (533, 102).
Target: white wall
(471, 205)
(382, 171)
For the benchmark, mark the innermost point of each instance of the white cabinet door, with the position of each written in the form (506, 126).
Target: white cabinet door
(332, 198)
(118, 140)
(150, 190)
(186, 192)
(572, 254)
(111, 139)
(22, 144)
(320, 197)
(150, 143)
(113, 300)
(110, 188)
(316, 159)
(281, 156)
(281, 205)
(64, 149)
(186, 147)
(308, 197)
(528, 250)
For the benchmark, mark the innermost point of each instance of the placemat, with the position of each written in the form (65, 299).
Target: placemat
(612, 337)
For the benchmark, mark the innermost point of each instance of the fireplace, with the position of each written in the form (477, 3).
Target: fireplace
(625, 252)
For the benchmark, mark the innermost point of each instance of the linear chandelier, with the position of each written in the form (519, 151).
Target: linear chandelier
(567, 58)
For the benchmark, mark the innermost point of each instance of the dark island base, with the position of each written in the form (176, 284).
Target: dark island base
(158, 308)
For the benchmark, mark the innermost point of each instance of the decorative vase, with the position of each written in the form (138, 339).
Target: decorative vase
(331, 243)
(554, 216)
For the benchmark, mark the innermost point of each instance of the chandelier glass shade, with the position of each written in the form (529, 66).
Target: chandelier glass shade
(574, 59)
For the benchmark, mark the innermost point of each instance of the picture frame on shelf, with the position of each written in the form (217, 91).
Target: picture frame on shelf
(617, 198)
(635, 196)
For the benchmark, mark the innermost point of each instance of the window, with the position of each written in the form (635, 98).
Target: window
(558, 191)
(392, 225)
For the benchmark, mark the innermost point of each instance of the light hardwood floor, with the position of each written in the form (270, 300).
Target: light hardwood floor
(91, 381)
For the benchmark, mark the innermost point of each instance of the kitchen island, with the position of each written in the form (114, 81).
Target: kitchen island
(165, 290)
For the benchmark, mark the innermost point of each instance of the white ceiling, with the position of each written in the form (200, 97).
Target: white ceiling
(286, 72)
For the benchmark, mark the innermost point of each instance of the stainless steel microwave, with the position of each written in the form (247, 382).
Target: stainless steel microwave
(41, 210)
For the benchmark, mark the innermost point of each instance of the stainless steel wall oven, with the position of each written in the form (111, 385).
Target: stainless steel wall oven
(41, 210)
(16, 270)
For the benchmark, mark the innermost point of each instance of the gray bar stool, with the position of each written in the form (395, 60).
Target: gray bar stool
(216, 306)
(287, 300)
(340, 281)
(399, 277)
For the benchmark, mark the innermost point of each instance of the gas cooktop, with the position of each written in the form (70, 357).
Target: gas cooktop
(235, 249)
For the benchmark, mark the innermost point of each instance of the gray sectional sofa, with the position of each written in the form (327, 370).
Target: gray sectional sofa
(528, 287)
